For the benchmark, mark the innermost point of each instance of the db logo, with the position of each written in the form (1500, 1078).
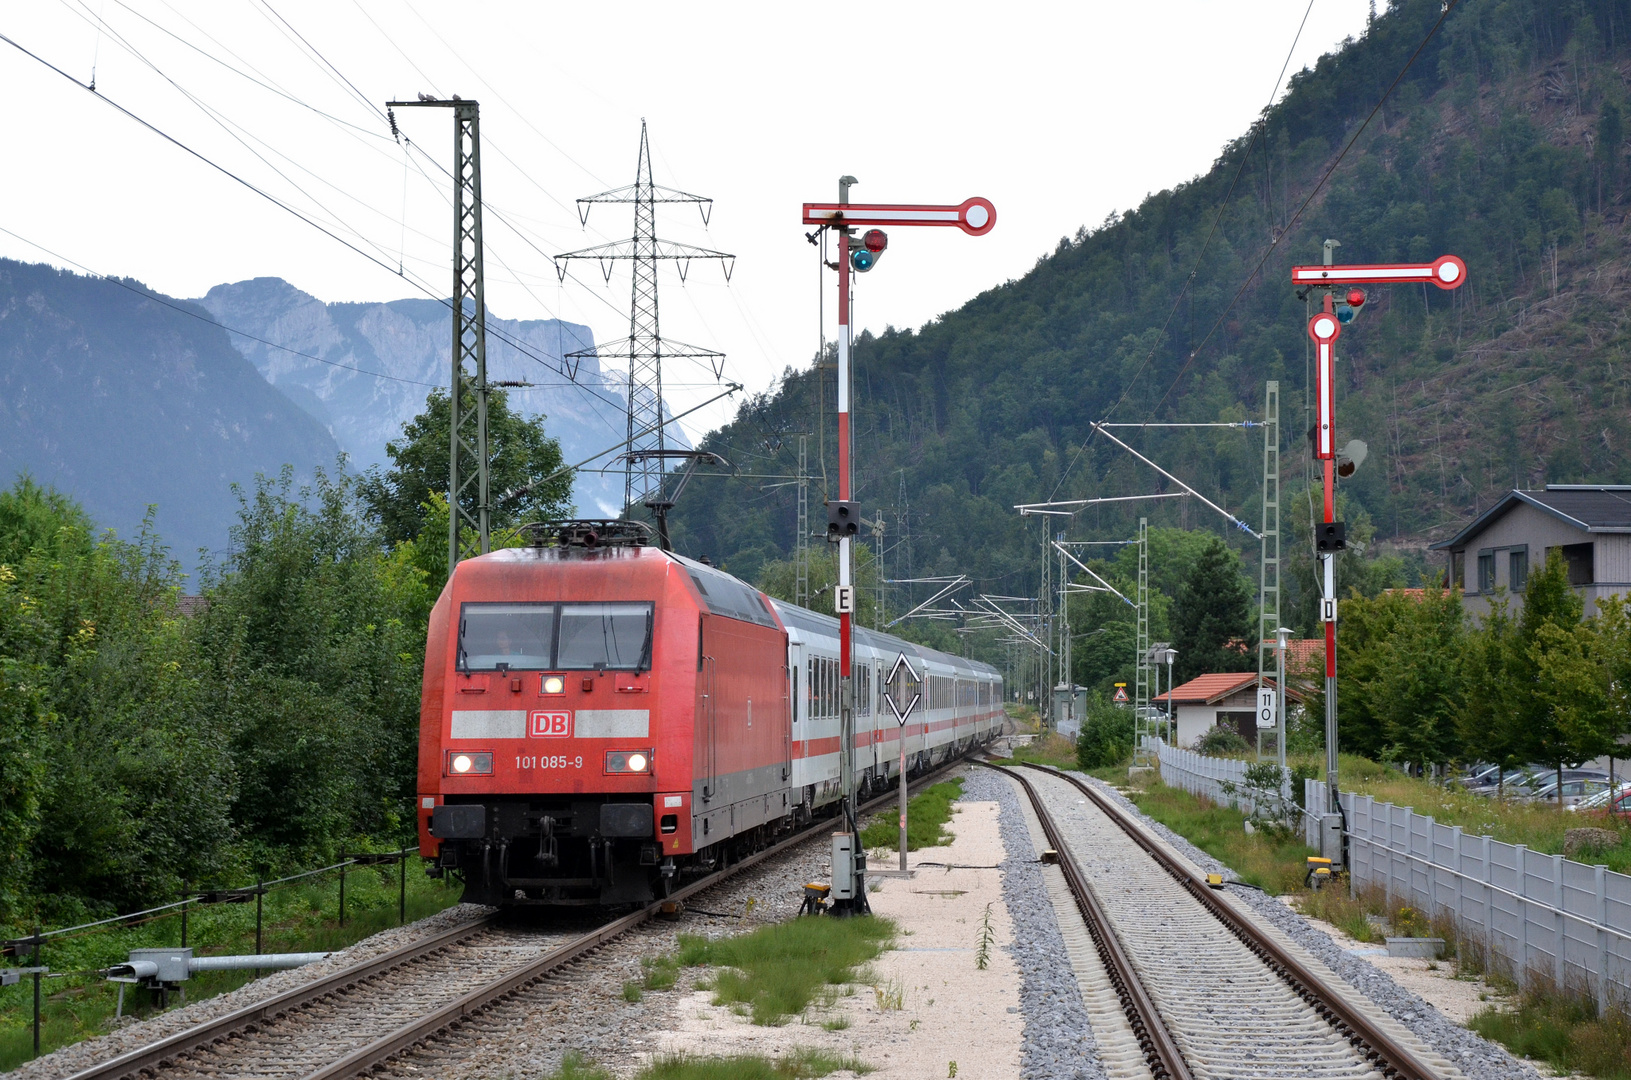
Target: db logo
(550, 725)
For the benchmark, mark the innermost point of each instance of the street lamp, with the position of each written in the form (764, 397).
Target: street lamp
(1169, 655)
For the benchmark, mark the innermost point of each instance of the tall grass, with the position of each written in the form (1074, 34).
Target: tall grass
(800, 1064)
(777, 971)
(1562, 1030)
(1273, 861)
(1049, 749)
(1541, 826)
(926, 816)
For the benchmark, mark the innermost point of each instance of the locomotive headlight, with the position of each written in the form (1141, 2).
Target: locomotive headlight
(628, 761)
(554, 684)
(470, 763)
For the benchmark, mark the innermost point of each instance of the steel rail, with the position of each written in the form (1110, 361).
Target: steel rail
(1393, 1060)
(411, 1034)
(154, 1055)
(1161, 1053)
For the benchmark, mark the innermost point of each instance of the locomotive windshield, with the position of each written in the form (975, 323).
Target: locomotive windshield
(604, 635)
(520, 637)
(558, 637)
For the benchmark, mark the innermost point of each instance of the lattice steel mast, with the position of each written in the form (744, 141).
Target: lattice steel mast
(801, 547)
(467, 405)
(1268, 591)
(1141, 677)
(645, 348)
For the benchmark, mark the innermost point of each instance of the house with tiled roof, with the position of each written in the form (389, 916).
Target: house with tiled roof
(1589, 524)
(1228, 698)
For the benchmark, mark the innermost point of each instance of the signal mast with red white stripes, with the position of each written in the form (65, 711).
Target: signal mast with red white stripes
(1340, 301)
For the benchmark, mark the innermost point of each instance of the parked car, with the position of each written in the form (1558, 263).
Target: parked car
(1573, 790)
(1601, 800)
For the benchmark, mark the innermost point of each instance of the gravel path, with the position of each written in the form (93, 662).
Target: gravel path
(1058, 1042)
(1475, 1055)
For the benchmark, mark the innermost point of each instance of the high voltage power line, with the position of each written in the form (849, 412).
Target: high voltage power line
(336, 223)
(287, 208)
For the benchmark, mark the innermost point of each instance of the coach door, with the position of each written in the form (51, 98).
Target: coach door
(707, 713)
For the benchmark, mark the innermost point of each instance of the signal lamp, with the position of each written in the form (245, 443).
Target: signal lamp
(554, 684)
(875, 241)
(1350, 306)
(862, 260)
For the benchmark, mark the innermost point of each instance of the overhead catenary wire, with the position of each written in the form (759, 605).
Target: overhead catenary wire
(334, 73)
(1189, 279)
(158, 299)
(280, 204)
(1444, 13)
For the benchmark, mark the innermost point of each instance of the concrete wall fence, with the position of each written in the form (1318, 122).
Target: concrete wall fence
(1530, 915)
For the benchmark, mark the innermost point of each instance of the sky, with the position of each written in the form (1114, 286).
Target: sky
(1060, 113)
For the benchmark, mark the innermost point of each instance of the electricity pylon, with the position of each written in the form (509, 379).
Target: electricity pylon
(645, 348)
(468, 460)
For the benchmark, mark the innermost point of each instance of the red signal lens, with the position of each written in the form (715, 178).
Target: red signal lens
(1356, 297)
(875, 240)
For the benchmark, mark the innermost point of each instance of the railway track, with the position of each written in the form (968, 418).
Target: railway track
(1208, 992)
(356, 1019)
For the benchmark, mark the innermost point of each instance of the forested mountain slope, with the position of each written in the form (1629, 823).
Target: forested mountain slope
(1504, 143)
(123, 402)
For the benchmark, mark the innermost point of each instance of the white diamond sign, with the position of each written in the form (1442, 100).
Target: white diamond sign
(898, 688)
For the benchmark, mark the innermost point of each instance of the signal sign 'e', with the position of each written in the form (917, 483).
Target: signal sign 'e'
(550, 724)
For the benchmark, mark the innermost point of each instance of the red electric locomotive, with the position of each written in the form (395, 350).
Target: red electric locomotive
(600, 716)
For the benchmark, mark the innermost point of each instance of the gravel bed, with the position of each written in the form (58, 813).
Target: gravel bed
(1058, 1041)
(581, 1009)
(602, 1025)
(1475, 1055)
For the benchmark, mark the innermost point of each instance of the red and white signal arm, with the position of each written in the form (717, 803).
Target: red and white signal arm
(974, 216)
(1447, 272)
(1325, 329)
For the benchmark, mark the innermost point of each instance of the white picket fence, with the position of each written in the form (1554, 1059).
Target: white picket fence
(1529, 914)
(1223, 780)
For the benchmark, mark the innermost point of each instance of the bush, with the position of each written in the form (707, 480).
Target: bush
(1106, 738)
(1221, 740)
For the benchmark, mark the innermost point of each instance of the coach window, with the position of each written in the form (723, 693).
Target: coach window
(604, 636)
(517, 637)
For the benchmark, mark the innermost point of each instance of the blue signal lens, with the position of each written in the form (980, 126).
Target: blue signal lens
(1345, 314)
(862, 260)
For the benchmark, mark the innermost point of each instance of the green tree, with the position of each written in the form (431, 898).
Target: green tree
(521, 455)
(1106, 735)
(1212, 618)
(779, 578)
(1399, 669)
(311, 654)
(1521, 671)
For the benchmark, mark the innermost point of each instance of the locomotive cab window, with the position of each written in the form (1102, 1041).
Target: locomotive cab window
(520, 637)
(554, 637)
(610, 636)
